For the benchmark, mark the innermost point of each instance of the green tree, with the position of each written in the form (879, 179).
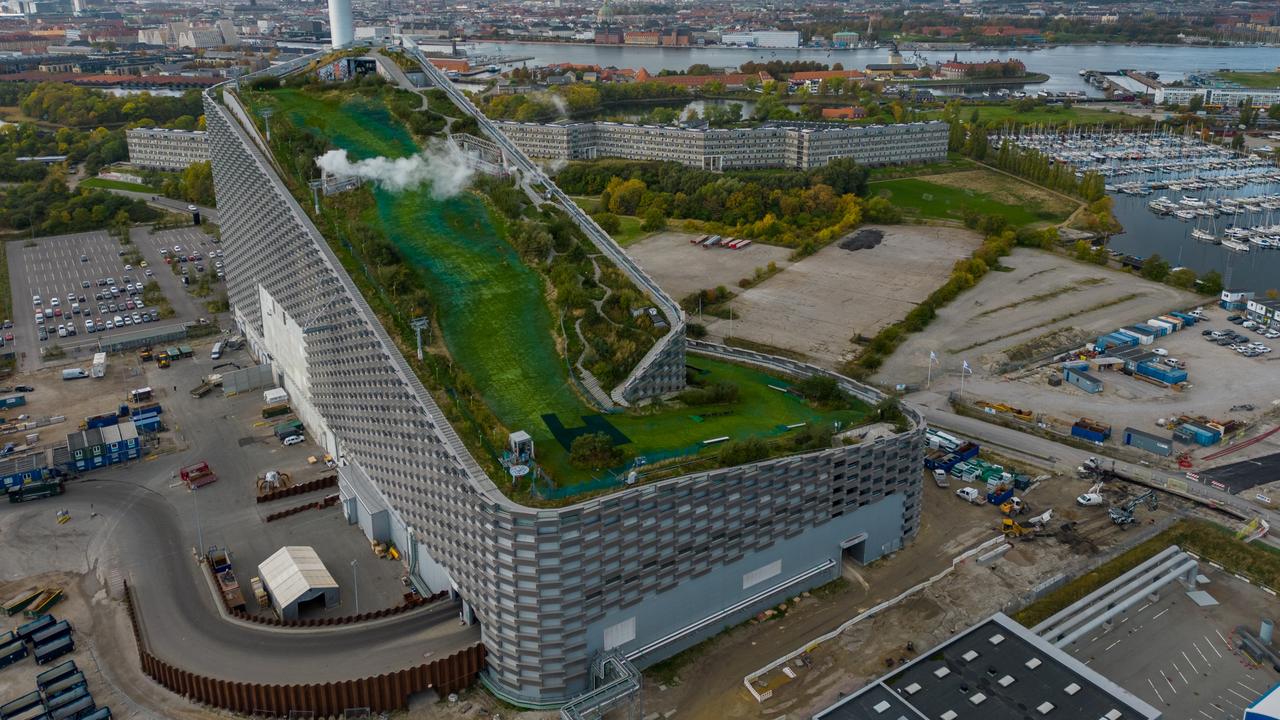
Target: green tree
(608, 222)
(197, 183)
(1155, 268)
(594, 450)
(654, 220)
(1184, 278)
(1211, 283)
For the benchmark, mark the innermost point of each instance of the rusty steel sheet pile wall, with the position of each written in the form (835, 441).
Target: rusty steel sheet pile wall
(381, 693)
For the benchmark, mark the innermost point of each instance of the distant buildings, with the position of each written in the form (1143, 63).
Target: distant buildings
(658, 38)
(845, 39)
(730, 81)
(164, 149)
(956, 70)
(763, 38)
(187, 35)
(1221, 97)
(797, 145)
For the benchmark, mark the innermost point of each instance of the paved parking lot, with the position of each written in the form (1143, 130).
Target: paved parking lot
(1180, 657)
(60, 267)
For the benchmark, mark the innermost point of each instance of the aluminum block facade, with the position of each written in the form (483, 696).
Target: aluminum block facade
(645, 571)
(797, 145)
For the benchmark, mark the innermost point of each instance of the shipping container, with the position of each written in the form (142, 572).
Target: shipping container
(51, 676)
(1159, 329)
(1081, 379)
(54, 650)
(60, 629)
(1158, 322)
(70, 683)
(13, 401)
(1175, 322)
(21, 705)
(1159, 371)
(1091, 430)
(1200, 434)
(12, 652)
(1187, 320)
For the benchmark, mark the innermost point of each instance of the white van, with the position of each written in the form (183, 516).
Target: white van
(217, 350)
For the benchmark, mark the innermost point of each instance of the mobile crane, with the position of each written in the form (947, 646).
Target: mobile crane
(1124, 515)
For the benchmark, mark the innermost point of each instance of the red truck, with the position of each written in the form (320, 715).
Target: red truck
(197, 475)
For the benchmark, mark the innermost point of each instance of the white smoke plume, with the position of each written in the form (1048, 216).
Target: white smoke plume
(441, 164)
(562, 107)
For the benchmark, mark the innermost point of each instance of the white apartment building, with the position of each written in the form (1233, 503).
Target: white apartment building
(796, 145)
(164, 149)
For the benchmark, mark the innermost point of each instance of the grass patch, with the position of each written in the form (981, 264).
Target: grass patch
(1210, 541)
(954, 162)
(1044, 115)
(105, 184)
(937, 199)
(630, 232)
(1251, 79)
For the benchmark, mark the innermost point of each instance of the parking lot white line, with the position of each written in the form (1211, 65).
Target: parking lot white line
(1205, 714)
(1224, 640)
(1193, 665)
(1246, 687)
(1247, 700)
(1166, 679)
(1113, 644)
(1202, 657)
(1213, 645)
(1184, 677)
(1153, 689)
(1157, 615)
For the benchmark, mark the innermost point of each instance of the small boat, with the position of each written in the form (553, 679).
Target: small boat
(1204, 235)
(1235, 245)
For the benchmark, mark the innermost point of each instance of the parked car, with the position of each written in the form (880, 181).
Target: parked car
(292, 440)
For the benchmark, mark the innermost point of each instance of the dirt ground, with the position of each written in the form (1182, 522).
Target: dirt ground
(973, 592)
(1042, 300)
(682, 268)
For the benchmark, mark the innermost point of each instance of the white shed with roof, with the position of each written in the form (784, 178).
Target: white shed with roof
(294, 575)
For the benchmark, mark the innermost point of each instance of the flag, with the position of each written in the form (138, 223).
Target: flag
(966, 366)
(933, 356)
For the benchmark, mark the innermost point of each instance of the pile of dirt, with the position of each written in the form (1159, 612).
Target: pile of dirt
(862, 240)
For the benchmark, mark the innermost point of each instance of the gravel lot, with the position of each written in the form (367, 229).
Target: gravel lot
(1041, 294)
(682, 268)
(816, 306)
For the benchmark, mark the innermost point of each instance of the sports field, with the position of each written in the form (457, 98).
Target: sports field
(497, 324)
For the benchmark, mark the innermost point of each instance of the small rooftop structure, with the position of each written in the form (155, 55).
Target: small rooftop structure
(294, 575)
(995, 670)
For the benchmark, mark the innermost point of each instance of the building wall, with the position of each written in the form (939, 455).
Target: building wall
(543, 583)
(166, 149)
(798, 145)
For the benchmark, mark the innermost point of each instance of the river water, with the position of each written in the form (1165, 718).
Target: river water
(1061, 64)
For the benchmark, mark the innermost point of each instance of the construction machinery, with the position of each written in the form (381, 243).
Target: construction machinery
(1092, 497)
(1124, 515)
(1012, 529)
(273, 480)
(1013, 506)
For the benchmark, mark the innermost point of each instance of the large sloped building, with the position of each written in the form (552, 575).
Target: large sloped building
(634, 575)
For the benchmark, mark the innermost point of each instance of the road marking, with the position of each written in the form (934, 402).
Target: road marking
(1212, 645)
(1224, 640)
(1248, 701)
(1246, 687)
(1153, 689)
(1205, 714)
(1202, 657)
(1184, 677)
(1113, 644)
(1193, 665)
(1166, 679)
(1160, 613)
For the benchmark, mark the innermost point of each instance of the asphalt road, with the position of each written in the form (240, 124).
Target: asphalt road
(137, 523)
(164, 203)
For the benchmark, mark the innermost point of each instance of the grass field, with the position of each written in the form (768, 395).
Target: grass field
(1251, 79)
(496, 322)
(105, 184)
(1044, 115)
(946, 196)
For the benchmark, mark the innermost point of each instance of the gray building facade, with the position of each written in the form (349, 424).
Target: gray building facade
(165, 149)
(797, 145)
(643, 572)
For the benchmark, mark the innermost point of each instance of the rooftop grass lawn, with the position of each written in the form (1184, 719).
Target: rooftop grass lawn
(495, 319)
(923, 199)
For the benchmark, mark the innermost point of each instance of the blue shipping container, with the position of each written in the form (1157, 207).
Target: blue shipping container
(1142, 330)
(1163, 373)
(13, 401)
(1088, 434)
(1187, 320)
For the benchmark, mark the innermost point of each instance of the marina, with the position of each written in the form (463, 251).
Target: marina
(1195, 204)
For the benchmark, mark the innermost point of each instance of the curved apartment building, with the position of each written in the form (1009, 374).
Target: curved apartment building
(639, 574)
